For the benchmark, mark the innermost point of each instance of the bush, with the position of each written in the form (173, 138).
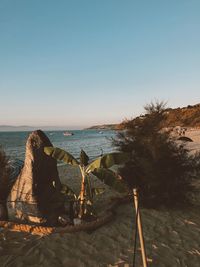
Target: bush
(161, 169)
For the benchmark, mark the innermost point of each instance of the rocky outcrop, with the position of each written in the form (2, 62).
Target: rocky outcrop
(35, 196)
(7, 179)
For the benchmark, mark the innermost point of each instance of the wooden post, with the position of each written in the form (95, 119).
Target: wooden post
(139, 225)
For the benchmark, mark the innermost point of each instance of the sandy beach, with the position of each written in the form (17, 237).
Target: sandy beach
(172, 238)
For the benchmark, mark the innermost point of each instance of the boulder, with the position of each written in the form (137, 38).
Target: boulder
(35, 196)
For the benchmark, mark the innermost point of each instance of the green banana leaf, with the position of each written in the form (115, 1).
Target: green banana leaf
(108, 161)
(60, 154)
(84, 158)
(111, 179)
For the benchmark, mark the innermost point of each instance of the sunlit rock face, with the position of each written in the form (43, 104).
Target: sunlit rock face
(35, 196)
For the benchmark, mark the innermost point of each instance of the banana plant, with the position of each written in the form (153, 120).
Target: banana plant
(98, 167)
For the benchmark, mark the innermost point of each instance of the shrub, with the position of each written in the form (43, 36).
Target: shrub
(161, 169)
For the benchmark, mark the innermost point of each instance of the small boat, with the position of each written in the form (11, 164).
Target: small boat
(68, 134)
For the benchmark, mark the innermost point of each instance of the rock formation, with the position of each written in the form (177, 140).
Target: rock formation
(4, 189)
(35, 196)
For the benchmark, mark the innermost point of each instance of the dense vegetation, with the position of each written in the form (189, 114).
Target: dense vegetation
(161, 169)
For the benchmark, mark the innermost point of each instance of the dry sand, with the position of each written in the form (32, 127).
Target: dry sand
(172, 238)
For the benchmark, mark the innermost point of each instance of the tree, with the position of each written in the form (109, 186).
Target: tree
(160, 168)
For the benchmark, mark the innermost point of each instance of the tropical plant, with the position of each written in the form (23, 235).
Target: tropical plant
(98, 167)
(159, 167)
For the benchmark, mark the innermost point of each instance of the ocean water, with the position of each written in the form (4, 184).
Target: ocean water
(93, 142)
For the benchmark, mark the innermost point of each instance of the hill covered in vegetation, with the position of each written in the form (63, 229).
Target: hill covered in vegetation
(186, 116)
(103, 127)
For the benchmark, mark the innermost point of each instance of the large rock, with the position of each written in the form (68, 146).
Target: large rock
(7, 179)
(35, 196)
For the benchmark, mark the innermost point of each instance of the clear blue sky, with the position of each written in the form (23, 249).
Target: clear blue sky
(83, 62)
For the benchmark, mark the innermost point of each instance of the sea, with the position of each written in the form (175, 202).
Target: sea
(93, 142)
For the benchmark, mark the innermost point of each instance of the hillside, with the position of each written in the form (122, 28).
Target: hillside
(11, 128)
(103, 127)
(186, 116)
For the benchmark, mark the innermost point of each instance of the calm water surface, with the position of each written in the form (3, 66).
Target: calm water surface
(93, 142)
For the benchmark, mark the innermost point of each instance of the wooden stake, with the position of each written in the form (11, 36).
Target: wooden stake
(139, 225)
